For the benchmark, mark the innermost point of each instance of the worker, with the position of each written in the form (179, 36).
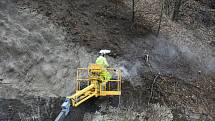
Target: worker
(101, 60)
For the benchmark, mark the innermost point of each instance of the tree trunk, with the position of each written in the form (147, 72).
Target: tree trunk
(133, 12)
(176, 10)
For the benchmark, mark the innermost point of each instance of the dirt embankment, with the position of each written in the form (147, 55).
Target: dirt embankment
(43, 42)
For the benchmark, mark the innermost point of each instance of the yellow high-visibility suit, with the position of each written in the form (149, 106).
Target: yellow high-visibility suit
(104, 74)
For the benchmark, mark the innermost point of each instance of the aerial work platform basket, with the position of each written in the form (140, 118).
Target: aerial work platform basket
(90, 83)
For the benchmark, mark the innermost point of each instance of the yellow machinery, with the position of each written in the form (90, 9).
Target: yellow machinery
(91, 84)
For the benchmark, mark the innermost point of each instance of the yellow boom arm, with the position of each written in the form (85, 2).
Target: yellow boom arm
(83, 95)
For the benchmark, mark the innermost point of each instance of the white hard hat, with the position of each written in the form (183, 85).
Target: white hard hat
(104, 51)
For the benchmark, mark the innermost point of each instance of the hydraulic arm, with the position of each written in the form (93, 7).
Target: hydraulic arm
(90, 84)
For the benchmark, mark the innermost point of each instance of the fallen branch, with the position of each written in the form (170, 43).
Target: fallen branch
(151, 92)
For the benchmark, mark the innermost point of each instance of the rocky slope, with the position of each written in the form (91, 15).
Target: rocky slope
(43, 42)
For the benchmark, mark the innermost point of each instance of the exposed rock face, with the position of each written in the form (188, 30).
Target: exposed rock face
(34, 53)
